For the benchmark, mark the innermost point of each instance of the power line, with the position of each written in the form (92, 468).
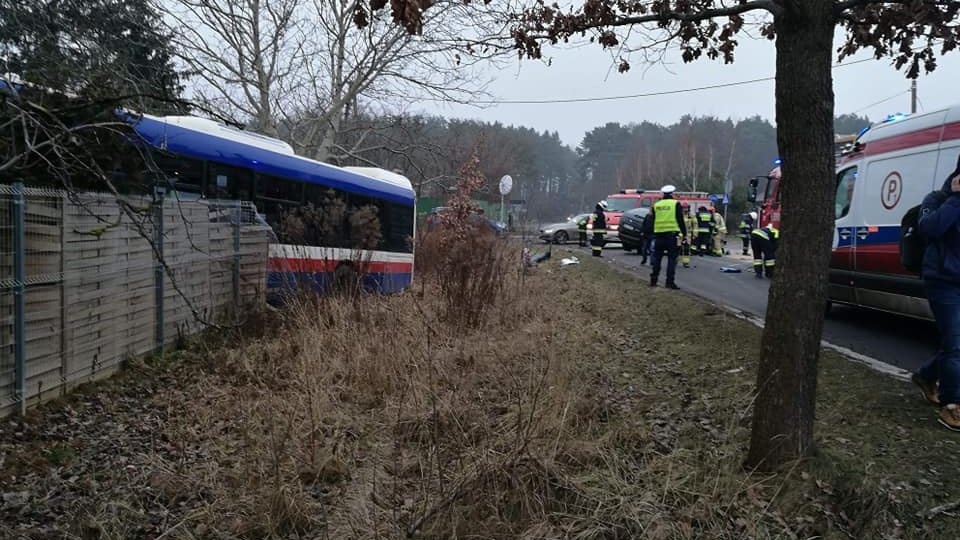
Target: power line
(884, 100)
(647, 94)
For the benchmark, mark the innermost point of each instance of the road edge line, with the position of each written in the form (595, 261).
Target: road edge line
(859, 358)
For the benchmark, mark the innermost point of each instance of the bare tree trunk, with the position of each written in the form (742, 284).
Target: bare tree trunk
(733, 147)
(709, 162)
(783, 414)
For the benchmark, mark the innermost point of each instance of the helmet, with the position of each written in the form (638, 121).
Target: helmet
(602, 204)
(753, 216)
(669, 188)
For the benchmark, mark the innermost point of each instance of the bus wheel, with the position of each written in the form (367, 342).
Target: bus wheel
(346, 280)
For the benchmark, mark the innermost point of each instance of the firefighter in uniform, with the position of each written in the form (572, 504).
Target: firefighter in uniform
(691, 225)
(668, 229)
(599, 229)
(747, 222)
(704, 231)
(719, 232)
(764, 242)
(582, 231)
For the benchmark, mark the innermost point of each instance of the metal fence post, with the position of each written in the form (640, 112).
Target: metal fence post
(158, 197)
(19, 294)
(236, 259)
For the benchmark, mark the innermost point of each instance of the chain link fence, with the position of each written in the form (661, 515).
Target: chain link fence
(89, 280)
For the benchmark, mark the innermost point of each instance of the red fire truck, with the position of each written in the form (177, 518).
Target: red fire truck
(769, 203)
(628, 199)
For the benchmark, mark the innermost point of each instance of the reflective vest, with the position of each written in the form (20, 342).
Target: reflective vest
(704, 222)
(767, 233)
(665, 216)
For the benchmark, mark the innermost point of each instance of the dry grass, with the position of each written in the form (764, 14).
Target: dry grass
(580, 405)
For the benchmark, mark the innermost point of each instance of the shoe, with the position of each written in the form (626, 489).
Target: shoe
(653, 282)
(673, 286)
(686, 266)
(927, 388)
(950, 417)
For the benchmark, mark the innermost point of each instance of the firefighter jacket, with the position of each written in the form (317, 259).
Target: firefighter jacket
(599, 220)
(719, 223)
(769, 233)
(691, 223)
(704, 222)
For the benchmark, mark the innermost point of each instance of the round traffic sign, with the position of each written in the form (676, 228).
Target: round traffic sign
(506, 184)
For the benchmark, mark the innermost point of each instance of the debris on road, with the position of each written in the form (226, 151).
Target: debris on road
(569, 260)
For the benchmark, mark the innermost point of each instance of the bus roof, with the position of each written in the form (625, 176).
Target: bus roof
(383, 174)
(208, 140)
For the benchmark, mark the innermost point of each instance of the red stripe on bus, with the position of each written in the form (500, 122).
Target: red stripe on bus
(276, 264)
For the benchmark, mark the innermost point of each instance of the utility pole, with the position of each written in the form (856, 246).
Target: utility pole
(913, 96)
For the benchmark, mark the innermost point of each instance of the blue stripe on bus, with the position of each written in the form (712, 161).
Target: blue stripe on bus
(382, 282)
(198, 145)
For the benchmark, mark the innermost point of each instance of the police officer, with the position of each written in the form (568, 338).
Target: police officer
(599, 228)
(747, 223)
(764, 243)
(582, 230)
(668, 229)
(704, 230)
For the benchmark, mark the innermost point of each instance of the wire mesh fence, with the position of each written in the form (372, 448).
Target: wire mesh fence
(89, 280)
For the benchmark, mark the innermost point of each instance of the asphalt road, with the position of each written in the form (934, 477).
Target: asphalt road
(898, 341)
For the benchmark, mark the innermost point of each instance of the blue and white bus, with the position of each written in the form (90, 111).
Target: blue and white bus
(309, 204)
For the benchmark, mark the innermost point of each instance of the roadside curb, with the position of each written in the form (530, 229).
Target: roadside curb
(868, 361)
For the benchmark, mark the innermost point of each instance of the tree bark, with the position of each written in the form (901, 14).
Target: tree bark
(783, 414)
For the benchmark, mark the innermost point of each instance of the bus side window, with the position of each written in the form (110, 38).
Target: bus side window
(180, 173)
(846, 181)
(279, 199)
(225, 182)
(326, 211)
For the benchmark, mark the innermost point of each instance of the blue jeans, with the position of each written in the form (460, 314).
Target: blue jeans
(944, 366)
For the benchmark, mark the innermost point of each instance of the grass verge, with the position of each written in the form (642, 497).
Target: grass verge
(583, 405)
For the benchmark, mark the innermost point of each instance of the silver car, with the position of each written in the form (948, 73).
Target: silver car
(561, 233)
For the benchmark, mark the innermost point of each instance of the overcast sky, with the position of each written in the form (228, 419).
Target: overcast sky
(586, 72)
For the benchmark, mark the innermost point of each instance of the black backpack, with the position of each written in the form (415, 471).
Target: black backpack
(912, 242)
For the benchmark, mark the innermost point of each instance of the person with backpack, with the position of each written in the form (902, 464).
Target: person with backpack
(939, 226)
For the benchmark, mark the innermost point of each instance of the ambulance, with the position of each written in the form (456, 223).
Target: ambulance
(887, 171)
